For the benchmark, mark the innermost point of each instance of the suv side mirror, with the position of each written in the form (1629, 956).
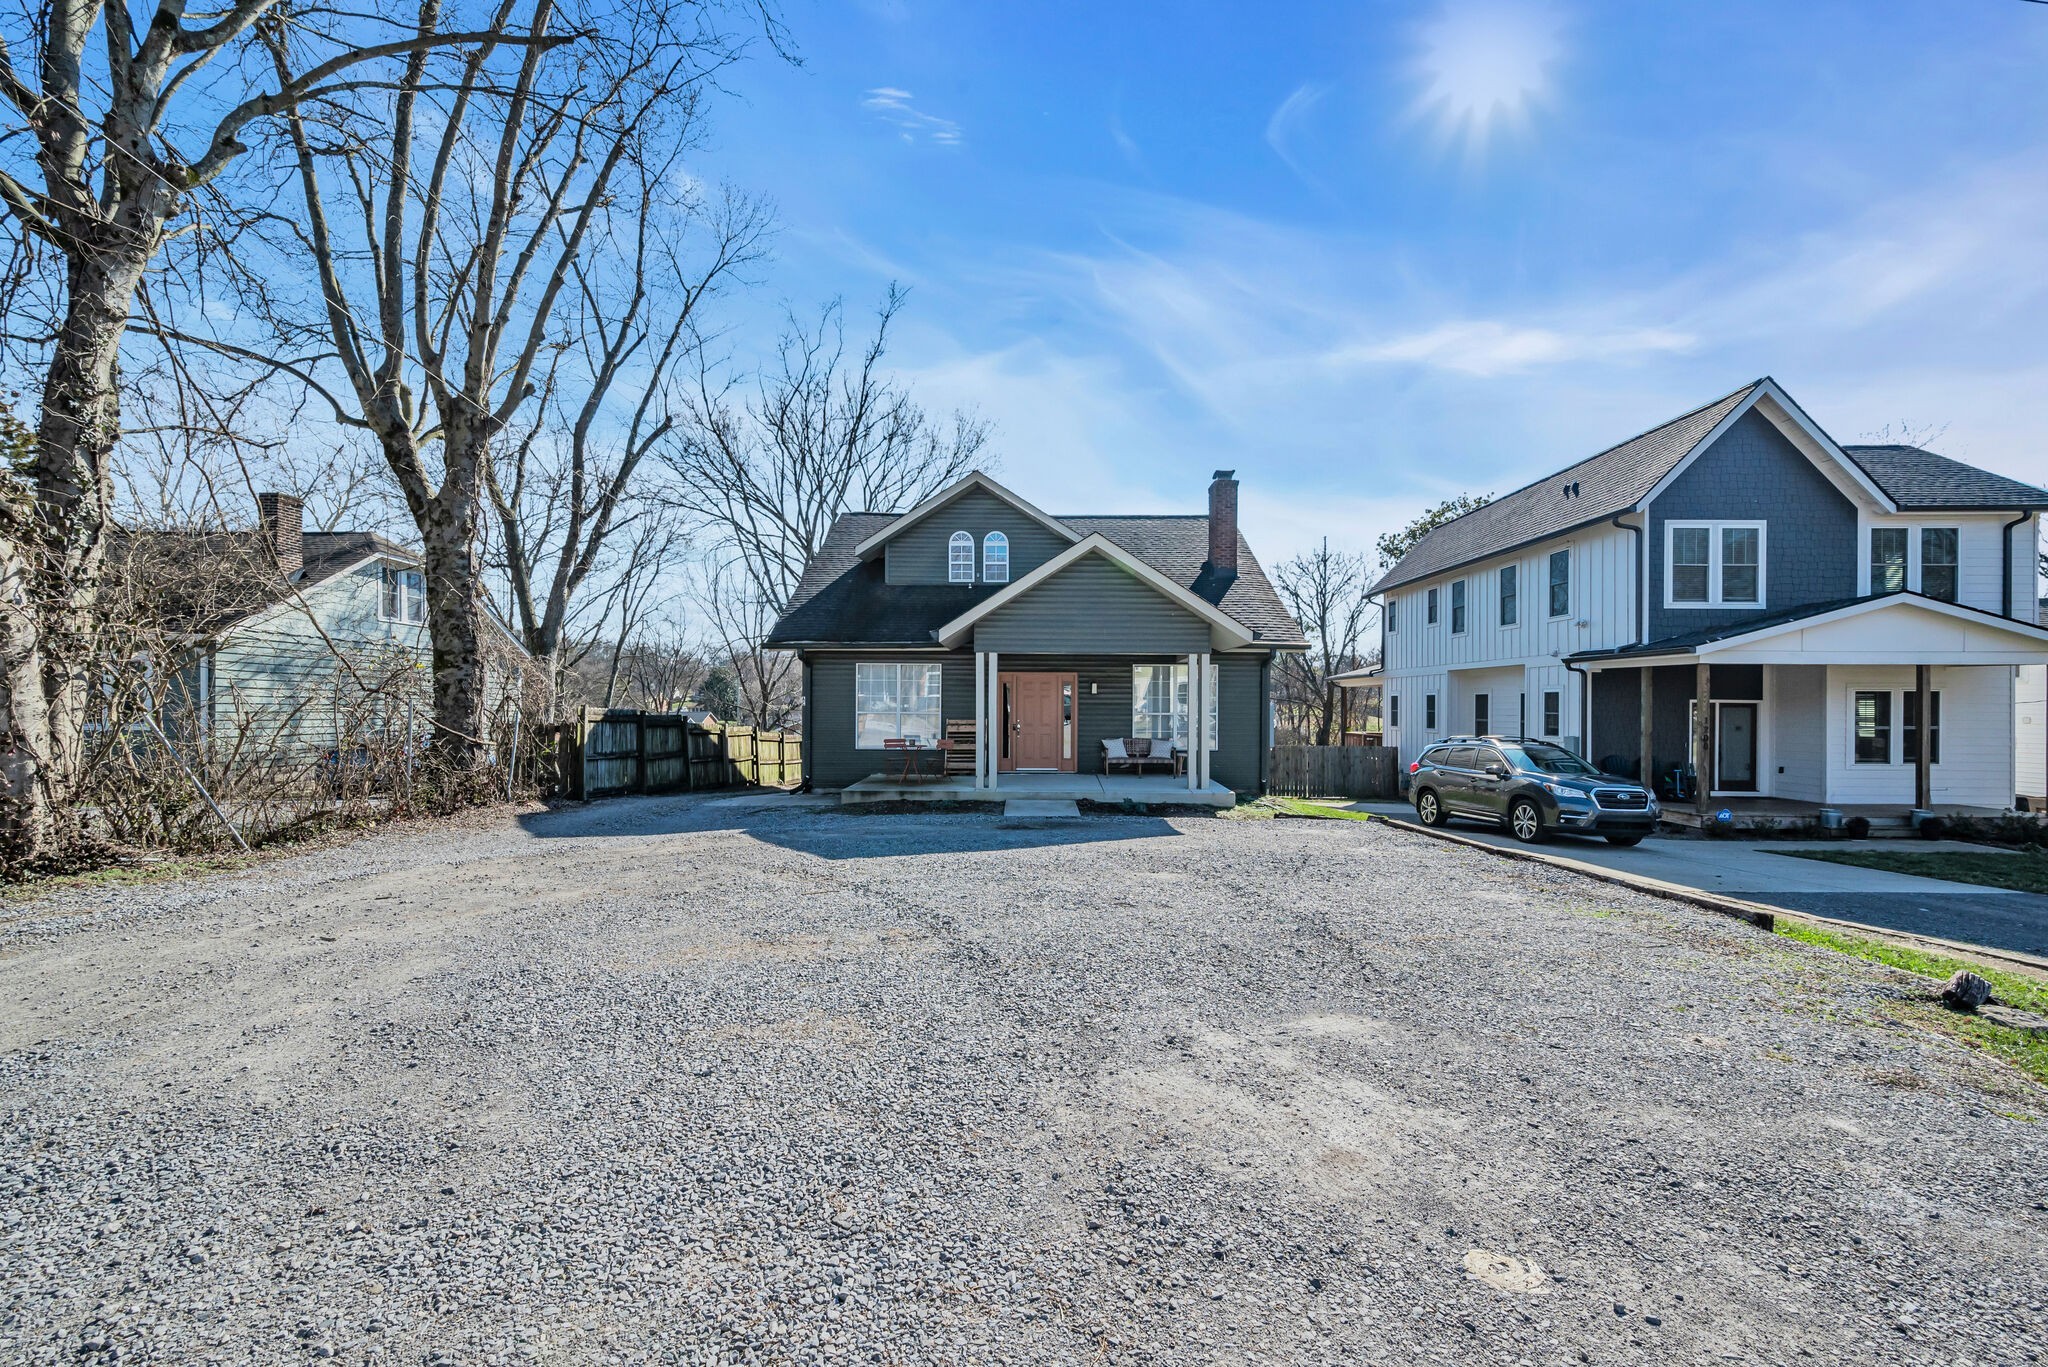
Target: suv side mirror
(1495, 769)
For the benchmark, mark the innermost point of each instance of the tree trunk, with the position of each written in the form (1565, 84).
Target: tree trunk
(455, 622)
(51, 575)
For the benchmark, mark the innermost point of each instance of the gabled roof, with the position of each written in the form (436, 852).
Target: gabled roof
(1622, 478)
(1231, 631)
(842, 599)
(972, 480)
(1579, 495)
(206, 581)
(1709, 639)
(1919, 479)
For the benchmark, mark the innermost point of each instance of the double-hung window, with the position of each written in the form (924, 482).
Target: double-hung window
(1909, 727)
(1888, 559)
(995, 559)
(1392, 616)
(1458, 608)
(1159, 703)
(1509, 608)
(960, 558)
(897, 701)
(1713, 564)
(1561, 583)
(1429, 711)
(1872, 718)
(1938, 563)
(1552, 705)
(1429, 601)
(404, 596)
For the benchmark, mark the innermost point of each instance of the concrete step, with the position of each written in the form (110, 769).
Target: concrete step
(1029, 811)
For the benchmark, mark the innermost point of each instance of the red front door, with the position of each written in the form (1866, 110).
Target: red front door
(1039, 712)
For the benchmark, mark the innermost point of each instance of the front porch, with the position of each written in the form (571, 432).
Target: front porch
(1147, 790)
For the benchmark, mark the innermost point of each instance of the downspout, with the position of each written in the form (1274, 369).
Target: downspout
(1635, 600)
(2005, 537)
(1585, 706)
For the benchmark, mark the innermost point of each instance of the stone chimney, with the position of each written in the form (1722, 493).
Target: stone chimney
(282, 520)
(1223, 523)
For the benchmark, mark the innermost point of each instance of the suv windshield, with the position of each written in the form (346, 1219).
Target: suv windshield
(1549, 759)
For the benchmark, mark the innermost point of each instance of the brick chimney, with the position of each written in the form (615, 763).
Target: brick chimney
(282, 520)
(1223, 523)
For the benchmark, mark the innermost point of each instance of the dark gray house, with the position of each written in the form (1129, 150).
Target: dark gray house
(1036, 644)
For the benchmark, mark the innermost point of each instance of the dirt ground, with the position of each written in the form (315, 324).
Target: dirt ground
(701, 1080)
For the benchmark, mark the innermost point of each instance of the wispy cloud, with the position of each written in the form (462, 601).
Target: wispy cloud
(1286, 124)
(1487, 347)
(897, 107)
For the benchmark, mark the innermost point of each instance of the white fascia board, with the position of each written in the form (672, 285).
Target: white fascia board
(1804, 434)
(972, 480)
(1232, 632)
(1891, 602)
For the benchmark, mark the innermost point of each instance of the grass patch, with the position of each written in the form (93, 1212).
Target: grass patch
(123, 876)
(2022, 872)
(2026, 1050)
(1315, 811)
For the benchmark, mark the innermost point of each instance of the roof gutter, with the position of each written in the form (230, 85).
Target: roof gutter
(2005, 537)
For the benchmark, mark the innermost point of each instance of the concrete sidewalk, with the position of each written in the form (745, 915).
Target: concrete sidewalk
(1760, 871)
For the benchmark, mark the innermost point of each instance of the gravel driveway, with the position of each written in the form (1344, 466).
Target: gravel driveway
(690, 1080)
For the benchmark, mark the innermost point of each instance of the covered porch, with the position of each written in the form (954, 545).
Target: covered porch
(1147, 790)
(1881, 707)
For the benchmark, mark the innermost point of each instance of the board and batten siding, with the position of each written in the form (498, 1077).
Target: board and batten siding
(919, 554)
(275, 680)
(1977, 752)
(1093, 605)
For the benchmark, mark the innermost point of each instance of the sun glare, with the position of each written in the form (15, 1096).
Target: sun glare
(1484, 66)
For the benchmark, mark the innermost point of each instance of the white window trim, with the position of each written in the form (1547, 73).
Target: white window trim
(990, 575)
(898, 665)
(953, 562)
(384, 571)
(1714, 528)
(1895, 751)
(1431, 615)
(1915, 554)
(1570, 583)
(1180, 693)
(1455, 605)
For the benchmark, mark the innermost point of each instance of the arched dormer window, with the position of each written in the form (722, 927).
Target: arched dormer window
(995, 559)
(960, 558)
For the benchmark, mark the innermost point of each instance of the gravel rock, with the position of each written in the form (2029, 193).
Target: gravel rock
(708, 1081)
(1966, 991)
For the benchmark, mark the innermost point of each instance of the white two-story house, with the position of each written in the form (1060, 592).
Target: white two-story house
(1822, 598)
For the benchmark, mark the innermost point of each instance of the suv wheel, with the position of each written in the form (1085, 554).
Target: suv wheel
(1428, 809)
(1525, 821)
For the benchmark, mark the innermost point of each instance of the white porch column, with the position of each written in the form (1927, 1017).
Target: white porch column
(1194, 726)
(1208, 735)
(982, 718)
(993, 739)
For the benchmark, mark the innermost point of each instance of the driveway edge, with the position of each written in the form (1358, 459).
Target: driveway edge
(1758, 914)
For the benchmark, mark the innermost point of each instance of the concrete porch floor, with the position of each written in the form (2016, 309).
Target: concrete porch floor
(1150, 789)
(1754, 812)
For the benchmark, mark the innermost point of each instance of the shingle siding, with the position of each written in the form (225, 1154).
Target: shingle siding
(1752, 473)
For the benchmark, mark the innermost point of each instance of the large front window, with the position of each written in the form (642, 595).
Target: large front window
(896, 702)
(1159, 703)
(1713, 564)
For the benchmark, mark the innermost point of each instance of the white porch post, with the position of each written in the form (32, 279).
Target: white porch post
(1208, 687)
(1194, 729)
(982, 718)
(993, 738)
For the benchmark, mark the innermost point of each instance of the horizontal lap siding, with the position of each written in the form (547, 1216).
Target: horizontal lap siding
(919, 555)
(829, 751)
(1976, 767)
(1093, 605)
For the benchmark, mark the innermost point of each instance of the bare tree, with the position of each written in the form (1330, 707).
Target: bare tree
(1326, 592)
(127, 126)
(571, 484)
(825, 433)
(446, 221)
(767, 684)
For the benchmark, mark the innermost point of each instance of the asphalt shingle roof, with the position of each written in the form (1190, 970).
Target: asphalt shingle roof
(1916, 478)
(841, 600)
(1592, 491)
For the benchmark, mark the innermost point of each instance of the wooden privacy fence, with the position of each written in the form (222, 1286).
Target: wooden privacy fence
(1353, 771)
(607, 752)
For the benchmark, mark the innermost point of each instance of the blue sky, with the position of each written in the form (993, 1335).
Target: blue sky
(1374, 254)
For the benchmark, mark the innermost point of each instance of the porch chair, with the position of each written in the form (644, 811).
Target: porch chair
(960, 737)
(1134, 755)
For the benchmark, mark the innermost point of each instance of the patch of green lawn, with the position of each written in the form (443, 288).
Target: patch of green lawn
(2026, 1050)
(2022, 871)
(1301, 806)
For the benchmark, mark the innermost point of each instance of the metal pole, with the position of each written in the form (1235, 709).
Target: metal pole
(193, 779)
(512, 761)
